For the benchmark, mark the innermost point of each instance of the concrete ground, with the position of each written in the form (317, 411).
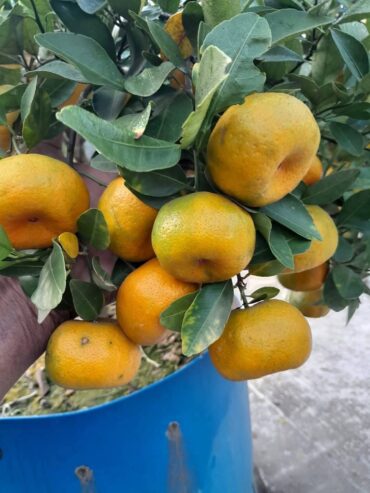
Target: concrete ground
(311, 426)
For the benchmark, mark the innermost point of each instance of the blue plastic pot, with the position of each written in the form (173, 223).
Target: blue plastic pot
(188, 433)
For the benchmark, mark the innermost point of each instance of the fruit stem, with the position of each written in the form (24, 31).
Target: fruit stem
(241, 285)
(149, 360)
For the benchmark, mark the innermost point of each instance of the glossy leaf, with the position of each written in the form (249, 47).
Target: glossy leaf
(173, 316)
(5, 245)
(52, 283)
(100, 276)
(159, 183)
(108, 103)
(347, 282)
(88, 300)
(91, 6)
(123, 7)
(192, 16)
(291, 213)
(348, 138)
(211, 72)
(80, 22)
(206, 317)
(149, 80)
(344, 252)
(10, 75)
(357, 110)
(280, 53)
(118, 145)
(330, 187)
(167, 124)
(36, 114)
(265, 293)
(353, 53)
(357, 11)
(169, 6)
(331, 295)
(103, 164)
(166, 44)
(57, 70)
(135, 123)
(120, 271)
(276, 240)
(59, 90)
(93, 229)
(242, 38)
(285, 23)
(326, 61)
(357, 206)
(86, 55)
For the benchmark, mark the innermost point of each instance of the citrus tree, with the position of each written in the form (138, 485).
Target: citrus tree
(212, 113)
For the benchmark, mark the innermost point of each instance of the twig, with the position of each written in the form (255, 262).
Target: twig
(241, 285)
(71, 146)
(37, 17)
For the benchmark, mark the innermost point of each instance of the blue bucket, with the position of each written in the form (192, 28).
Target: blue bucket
(188, 433)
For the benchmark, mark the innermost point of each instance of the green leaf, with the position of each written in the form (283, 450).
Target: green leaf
(88, 300)
(10, 75)
(166, 44)
(344, 252)
(108, 103)
(79, 22)
(331, 295)
(173, 316)
(103, 164)
(353, 53)
(276, 240)
(352, 308)
(36, 114)
(358, 10)
(348, 138)
(52, 283)
(169, 6)
(16, 268)
(357, 110)
(285, 23)
(210, 75)
(242, 38)
(326, 61)
(123, 7)
(357, 206)
(159, 183)
(347, 282)
(91, 6)
(85, 54)
(11, 100)
(330, 188)
(206, 317)
(101, 277)
(93, 229)
(5, 245)
(57, 70)
(280, 53)
(120, 271)
(192, 16)
(265, 293)
(217, 11)
(149, 80)
(118, 145)
(167, 124)
(291, 213)
(58, 90)
(134, 123)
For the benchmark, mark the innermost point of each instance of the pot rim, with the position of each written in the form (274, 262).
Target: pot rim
(114, 402)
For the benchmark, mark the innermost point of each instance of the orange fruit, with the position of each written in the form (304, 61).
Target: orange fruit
(320, 250)
(129, 221)
(86, 355)
(260, 150)
(269, 337)
(203, 237)
(314, 173)
(309, 303)
(143, 296)
(307, 280)
(40, 198)
(175, 28)
(75, 96)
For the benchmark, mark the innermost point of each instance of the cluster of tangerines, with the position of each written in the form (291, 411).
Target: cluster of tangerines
(257, 153)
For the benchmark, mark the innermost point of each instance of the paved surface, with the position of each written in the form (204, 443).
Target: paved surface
(311, 426)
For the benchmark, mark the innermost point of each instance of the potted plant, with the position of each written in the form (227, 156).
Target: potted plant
(228, 139)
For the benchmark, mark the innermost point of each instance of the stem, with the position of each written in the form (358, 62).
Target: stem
(310, 52)
(196, 170)
(71, 147)
(241, 285)
(37, 17)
